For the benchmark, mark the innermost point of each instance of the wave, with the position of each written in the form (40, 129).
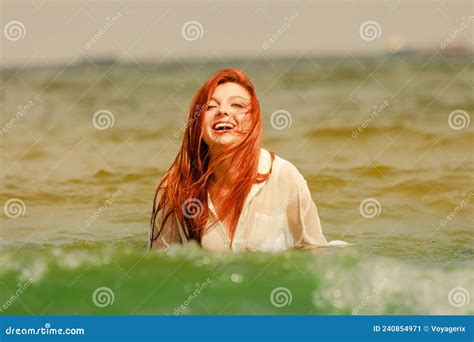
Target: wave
(365, 278)
(415, 132)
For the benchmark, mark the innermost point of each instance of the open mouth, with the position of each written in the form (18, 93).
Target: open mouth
(223, 126)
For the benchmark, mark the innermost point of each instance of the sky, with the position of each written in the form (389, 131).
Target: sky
(64, 31)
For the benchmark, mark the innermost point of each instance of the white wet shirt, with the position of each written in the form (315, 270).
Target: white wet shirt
(278, 214)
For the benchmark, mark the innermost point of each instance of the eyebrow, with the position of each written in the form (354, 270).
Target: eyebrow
(230, 97)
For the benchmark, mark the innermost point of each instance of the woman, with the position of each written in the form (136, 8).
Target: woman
(224, 190)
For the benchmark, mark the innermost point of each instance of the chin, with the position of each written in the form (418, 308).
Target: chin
(224, 139)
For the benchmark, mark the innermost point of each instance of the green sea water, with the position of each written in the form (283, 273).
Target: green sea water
(78, 245)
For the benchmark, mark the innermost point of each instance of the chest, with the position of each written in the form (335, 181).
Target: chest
(255, 231)
(262, 225)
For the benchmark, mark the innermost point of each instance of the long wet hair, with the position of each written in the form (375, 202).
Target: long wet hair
(184, 187)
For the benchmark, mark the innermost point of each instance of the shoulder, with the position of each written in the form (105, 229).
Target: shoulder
(286, 169)
(159, 191)
(287, 177)
(281, 168)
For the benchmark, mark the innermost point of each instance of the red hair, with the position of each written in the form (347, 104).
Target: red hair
(188, 178)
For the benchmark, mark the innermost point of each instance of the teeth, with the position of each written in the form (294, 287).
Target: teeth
(223, 126)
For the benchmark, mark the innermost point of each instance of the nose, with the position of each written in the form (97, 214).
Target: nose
(224, 109)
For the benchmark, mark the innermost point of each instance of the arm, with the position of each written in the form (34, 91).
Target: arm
(308, 231)
(170, 234)
(303, 216)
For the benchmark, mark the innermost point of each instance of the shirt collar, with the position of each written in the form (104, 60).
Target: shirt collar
(264, 164)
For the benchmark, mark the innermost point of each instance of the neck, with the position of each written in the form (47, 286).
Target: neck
(220, 172)
(222, 169)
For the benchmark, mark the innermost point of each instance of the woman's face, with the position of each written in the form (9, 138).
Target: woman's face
(226, 113)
